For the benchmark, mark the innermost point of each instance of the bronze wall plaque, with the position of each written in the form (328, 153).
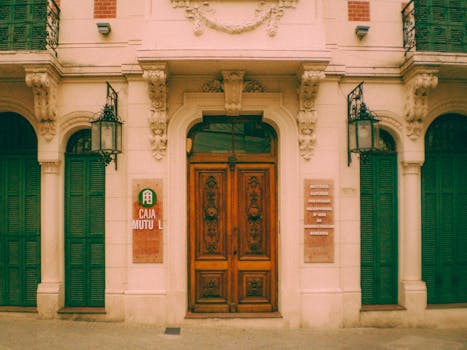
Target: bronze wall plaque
(319, 221)
(147, 221)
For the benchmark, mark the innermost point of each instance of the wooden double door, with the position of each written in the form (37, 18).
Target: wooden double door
(232, 238)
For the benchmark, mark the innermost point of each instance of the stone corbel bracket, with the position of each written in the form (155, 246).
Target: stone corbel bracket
(418, 84)
(44, 81)
(233, 88)
(156, 77)
(310, 78)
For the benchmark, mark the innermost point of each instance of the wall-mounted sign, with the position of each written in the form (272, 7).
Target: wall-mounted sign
(147, 221)
(319, 221)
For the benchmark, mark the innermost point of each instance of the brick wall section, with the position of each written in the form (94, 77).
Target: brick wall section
(359, 10)
(105, 8)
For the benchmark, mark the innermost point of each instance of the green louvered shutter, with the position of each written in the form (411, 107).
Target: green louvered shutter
(441, 25)
(23, 24)
(367, 229)
(378, 225)
(84, 230)
(31, 222)
(444, 211)
(19, 212)
(96, 232)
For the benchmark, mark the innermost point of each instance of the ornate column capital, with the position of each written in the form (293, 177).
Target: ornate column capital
(156, 76)
(233, 88)
(412, 167)
(44, 81)
(50, 167)
(310, 77)
(418, 85)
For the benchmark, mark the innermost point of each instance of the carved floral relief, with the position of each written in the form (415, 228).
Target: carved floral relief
(211, 199)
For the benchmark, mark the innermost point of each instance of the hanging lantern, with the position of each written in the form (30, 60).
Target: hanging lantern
(106, 130)
(361, 122)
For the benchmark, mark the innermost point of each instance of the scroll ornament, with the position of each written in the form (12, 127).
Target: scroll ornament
(307, 115)
(44, 87)
(202, 14)
(157, 89)
(418, 89)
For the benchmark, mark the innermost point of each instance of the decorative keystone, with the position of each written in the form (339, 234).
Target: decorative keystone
(233, 88)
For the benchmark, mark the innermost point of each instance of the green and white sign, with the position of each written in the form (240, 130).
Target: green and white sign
(147, 197)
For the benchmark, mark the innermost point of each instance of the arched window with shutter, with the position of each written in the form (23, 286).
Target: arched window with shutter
(444, 210)
(20, 178)
(84, 224)
(379, 221)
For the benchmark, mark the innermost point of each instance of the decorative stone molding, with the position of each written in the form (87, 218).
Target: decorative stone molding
(217, 85)
(157, 88)
(44, 82)
(418, 85)
(50, 167)
(253, 86)
(307, 115)
(202, 14)
(233, 88)
(214, 85)
(389, 119)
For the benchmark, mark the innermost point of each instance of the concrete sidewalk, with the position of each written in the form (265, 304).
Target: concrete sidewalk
(29, 333)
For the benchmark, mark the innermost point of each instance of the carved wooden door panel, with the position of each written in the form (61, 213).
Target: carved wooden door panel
(232, 243)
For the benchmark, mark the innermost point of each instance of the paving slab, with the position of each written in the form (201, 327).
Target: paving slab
(18, 333)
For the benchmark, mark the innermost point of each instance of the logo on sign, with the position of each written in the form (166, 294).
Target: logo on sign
(147, 197)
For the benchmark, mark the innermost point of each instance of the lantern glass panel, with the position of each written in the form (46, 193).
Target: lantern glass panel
(96, 136)
(364, 134)
(118, 135)
(107, 136)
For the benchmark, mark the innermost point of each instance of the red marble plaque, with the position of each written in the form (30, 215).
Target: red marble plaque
(319, 221)
(147, 223)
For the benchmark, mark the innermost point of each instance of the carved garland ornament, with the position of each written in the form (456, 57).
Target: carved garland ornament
(202, 14)
(416, 108)
(157, 89)
(44, 87)
(307, 116)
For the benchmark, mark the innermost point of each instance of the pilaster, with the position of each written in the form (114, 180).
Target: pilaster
(50, 294)
(413, 289)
